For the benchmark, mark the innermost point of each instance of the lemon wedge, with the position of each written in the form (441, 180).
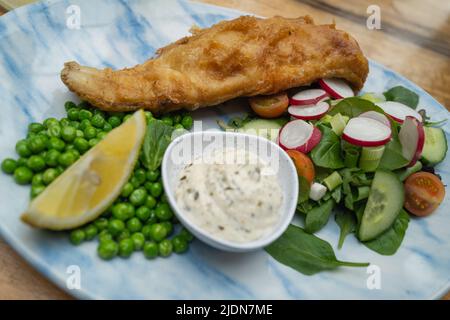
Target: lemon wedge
(89, 186)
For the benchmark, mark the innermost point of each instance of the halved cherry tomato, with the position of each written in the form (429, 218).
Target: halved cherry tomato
(303, 164)
(270, 106)
(424, 192)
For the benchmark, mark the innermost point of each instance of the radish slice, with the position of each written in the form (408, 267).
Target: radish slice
(366, 132)
(376, 116)
(307, 97)
(398, 111)
(299, 135)
(412, 138)
(310, 112)
(337, 88)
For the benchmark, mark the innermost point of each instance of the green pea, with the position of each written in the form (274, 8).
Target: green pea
(101, 223)
(126, 248)
(84, 114)
(35, 127)
(85, 124)
(179, 244)
(164, 212)
(77, 236)
(64, 122)
(152, 176)
(108, 249)
(143, 213)
(22, 162)
(69, 105)
(73, 114)
(37, 144)
(146, 231)
(81, 144)
(122, 211)
(138, 197)
(51, 158)
(138, 240)
(22, 148)
(36, 190)
(49, 175)
(127, 190)
(178, 126)
(128, 116)
(140, 174)
(66, 159)
(158, 232)
(135, 182)
(150, 250)
(116, 226)
(156, 189)
(91, 232)
(90, 132)
(187, 122)
(50, 121)
(56, 144)
(104, 235)
(79, 134)
(164, 198)
(169, 227)
(165, 248)
(114, 121)
(9, 165)
(68, 133)
(177, 119)
(98, 121)
(153, 218)
(23, 175)
(75, 153)
(150, 202)
(107, 127)
(36, 163)
(167, 120)
(38, 179)
(75, 124)
(54, 131)
(125, 234)
(134, 225)
(186, 235)
(101, 135)
(93, 142)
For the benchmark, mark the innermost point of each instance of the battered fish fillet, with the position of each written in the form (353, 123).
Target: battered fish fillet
(247, 56)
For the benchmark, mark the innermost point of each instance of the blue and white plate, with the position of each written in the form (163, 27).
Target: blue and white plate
(36, 40)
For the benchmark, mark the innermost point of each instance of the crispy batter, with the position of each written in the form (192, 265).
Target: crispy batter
(247, 56)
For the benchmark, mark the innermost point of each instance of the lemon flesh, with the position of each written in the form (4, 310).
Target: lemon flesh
(90, 185)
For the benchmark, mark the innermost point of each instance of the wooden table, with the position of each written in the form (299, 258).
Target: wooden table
(414, 40)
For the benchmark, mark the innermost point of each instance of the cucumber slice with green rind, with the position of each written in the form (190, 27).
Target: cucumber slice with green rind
(435, 147)
(383, 206)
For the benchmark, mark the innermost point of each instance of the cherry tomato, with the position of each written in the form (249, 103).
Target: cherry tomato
(424, 192)
(303, 164)
(270, 106)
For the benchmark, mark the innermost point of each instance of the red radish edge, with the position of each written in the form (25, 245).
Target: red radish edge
(412, 138)
(366, 132)
(307, 143)
(311, 112)
(337, 88)
(308, 97)
(398, 111)
(376, 116)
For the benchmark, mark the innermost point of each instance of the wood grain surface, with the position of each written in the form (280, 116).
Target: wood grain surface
(414, 40)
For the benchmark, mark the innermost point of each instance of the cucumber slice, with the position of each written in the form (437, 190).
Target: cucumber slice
(435, 146)
(383, 206)
(268, 129)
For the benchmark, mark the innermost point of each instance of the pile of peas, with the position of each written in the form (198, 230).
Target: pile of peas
(140, 219)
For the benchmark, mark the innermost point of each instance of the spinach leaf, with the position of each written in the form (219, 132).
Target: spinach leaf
(305, 252)
(346, 221)
(157, 138)
(303, 189)
(392, 158)
(353, 107)
(318, 217)
(305, 207)
(388, 242)
(402, 95)
(327, 153)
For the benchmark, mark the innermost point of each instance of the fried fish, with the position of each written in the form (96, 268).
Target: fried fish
(247, 56)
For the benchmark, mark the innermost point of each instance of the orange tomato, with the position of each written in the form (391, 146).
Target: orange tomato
(270, 106)
(303, 164)
(424, 192)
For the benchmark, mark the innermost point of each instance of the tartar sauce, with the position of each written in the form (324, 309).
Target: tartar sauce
(230, 199)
